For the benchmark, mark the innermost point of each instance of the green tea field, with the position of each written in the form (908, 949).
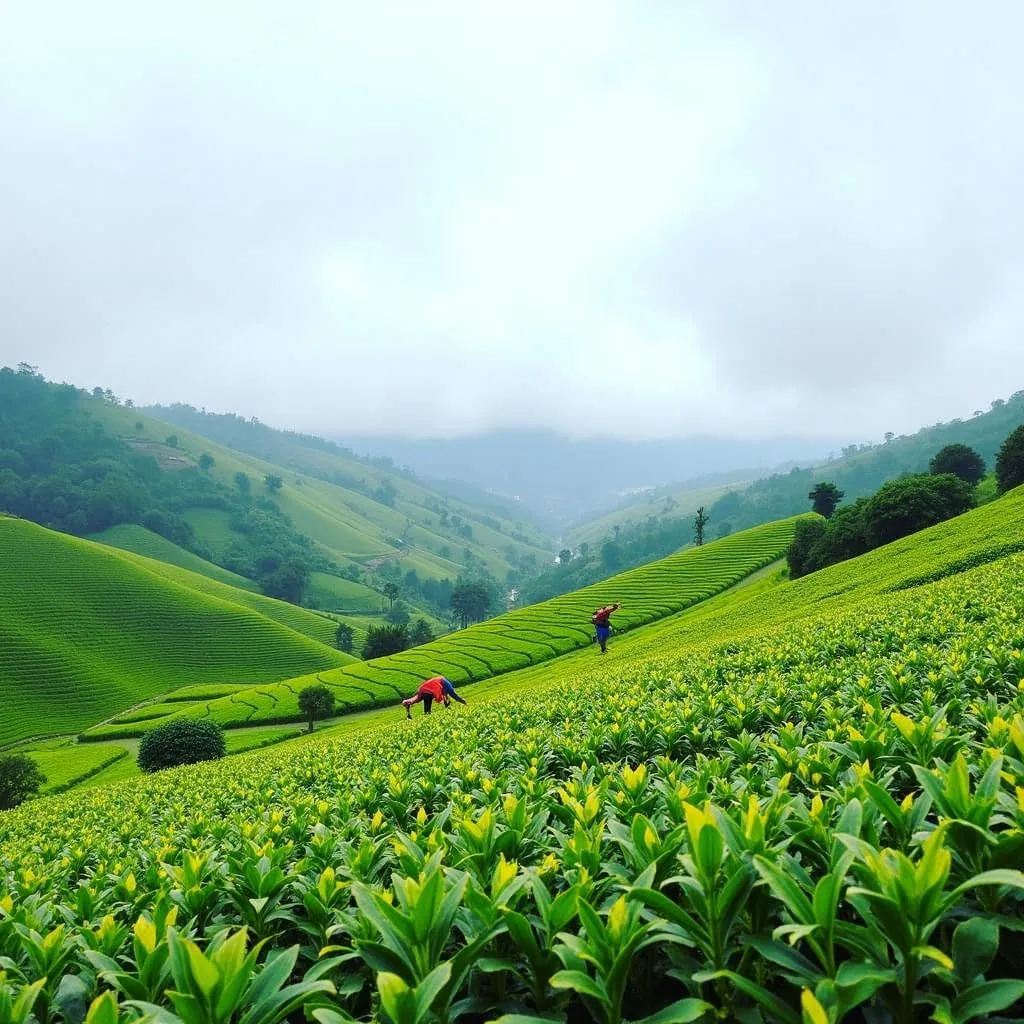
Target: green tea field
(794, 802)
(87, 631)
(517, 639)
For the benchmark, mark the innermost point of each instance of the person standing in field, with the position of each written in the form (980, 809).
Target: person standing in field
(437, 688)
(602, 624)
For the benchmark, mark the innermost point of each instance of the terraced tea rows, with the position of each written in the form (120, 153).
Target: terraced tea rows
(520, 638)
(87, 631)
(815, 821)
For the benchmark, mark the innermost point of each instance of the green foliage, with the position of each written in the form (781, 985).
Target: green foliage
(273, 482)
(316, 702)
(181, 741)
(206, 462)
(470, 601)
(805, 808)
(824, 498)
(383, 640)
(243, 483)
(913, 503)
(1010, 461)
(960, 460)
(861, 470)
(700, 521)
(900, 508)
(420, 633)
(20, 779)
(344, 637)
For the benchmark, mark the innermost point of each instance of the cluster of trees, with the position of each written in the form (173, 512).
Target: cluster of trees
(60, 467)
(900, 507)
(862, 469)
(394, 637)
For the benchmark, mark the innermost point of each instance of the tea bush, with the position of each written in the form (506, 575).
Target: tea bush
(817, 820)
(180, 742)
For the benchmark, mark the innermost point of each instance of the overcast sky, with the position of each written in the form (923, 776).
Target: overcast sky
(645, 219)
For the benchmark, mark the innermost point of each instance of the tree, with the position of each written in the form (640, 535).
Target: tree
(700, 520)
(912, 503)
(824, 498)
(172, 441)
(392, 591)
(384, 640)
(421, 633)
(286, 580)
(564, 557)
(961, 461)
(243, 483)
(182, 741)
(611, 556)
(20, 779)
(316, 702)
(343, 638)
(273, 482)
(1010, 461)
(470, 602)
(206, 462)
(807, 535)
(724, 529)
(398, 613)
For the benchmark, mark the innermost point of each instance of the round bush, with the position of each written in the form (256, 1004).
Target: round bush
(183, 741)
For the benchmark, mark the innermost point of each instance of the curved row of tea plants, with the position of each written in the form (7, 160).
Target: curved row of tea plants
(87, 631)
(822, 818)
(527, 636)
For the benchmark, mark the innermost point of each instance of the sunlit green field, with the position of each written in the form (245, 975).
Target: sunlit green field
(794, 802)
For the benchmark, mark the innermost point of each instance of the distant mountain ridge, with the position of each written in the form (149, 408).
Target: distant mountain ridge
(562, 479)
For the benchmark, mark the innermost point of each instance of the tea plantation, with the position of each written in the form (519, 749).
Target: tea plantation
(517, 639)
(807, 805)
(87, 631)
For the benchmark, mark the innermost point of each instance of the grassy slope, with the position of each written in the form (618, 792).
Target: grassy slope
(140, 541)
(87, 631)
(349, 526)
(514, 640)
(761, 601)
(686, 502)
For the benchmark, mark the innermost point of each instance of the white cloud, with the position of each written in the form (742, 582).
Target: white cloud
(595, 216)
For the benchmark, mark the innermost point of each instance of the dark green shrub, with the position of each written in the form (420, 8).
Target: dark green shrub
(960, 460)
(808, 533)
(20, 778)
(183, 741)
(913, 503)
(1010, 461)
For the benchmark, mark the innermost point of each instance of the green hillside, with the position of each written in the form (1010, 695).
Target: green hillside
(510, 641)
(87, 631)
(796, 802)
(140, 541)
(312, 624)
(356, 510)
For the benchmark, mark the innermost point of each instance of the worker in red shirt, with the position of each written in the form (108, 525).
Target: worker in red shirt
(437, 688)
(602, 625)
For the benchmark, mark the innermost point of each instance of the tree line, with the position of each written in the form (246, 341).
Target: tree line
(901, 507)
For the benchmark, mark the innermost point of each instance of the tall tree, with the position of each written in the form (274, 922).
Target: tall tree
(392, 591)
(700, 520)
(1010, 461)
(470, 602)
(316, 702)
(421, 633)
(273, 482)
(961, 460)
(824, 497)
(343, 637)
(206, 462)
(383, 640)
(20, 778)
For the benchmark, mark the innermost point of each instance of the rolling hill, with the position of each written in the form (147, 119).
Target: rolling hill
(514, 640)
(87, 631)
